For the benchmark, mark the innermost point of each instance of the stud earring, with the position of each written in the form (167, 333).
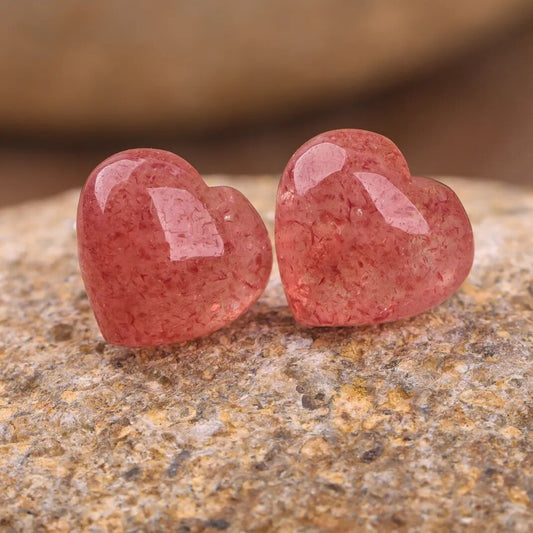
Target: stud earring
(358, 240)
(165, 258)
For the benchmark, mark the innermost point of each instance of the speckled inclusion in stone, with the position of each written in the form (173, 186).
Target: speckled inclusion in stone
(164, 257)
(360, 241)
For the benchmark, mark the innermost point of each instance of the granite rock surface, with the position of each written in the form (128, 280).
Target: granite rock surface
(418, 425)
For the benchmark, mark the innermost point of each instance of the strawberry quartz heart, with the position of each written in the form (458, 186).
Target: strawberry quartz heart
(164, 257)
(360, 241)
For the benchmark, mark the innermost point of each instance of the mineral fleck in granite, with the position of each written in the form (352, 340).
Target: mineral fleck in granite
(418, 425)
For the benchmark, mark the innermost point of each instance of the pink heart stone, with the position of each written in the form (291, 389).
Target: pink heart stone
(165, 258)
(360, 241)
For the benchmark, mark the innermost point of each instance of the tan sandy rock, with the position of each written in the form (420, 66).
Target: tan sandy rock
(419, 425)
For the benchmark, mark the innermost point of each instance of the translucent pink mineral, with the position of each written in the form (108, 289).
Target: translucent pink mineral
(360, 241)
(165, 258)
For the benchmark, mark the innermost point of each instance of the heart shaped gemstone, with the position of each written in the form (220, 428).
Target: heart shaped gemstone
(165, 258)
(360, 241)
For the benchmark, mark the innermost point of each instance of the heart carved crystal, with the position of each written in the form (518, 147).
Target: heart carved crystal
(358, 240)
(164, 257)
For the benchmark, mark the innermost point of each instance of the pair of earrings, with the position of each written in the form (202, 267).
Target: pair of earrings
(165, 258)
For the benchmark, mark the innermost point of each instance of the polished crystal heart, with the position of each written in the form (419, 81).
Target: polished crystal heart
(360, 241)
(164, 257)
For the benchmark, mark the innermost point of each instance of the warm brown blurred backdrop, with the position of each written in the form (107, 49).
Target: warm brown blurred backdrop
(235, 87)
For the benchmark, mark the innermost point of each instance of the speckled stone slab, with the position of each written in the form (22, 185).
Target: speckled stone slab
(419, 425)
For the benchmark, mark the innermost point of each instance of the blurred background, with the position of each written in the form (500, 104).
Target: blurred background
(236, 86)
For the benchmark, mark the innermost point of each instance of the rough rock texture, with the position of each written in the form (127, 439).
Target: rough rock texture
(418, 425)
(164, 257)
(359, 241)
